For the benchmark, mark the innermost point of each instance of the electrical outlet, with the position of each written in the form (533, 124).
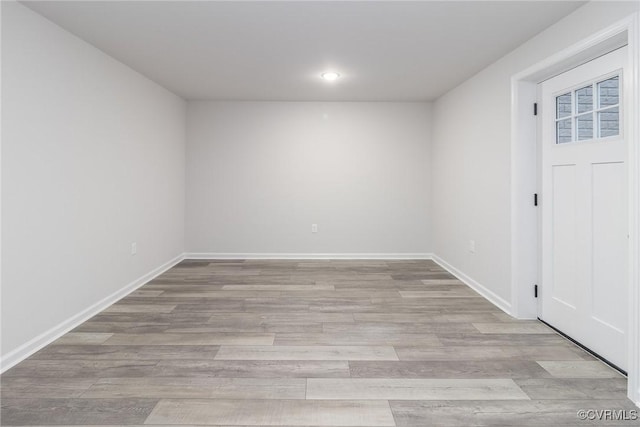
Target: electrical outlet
(472, 246)
(314, 228)
(134, 248)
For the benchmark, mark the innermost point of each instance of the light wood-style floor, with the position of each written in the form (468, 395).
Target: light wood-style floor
(309, 343)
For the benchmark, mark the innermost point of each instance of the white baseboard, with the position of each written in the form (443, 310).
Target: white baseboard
(19, 354)
(496, 300)
(390, 256)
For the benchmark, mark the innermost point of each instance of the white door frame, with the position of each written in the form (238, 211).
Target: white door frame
(524, 220)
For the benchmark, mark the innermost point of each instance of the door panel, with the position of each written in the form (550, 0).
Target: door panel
(564, 284)
(609, 257)
(583, 222)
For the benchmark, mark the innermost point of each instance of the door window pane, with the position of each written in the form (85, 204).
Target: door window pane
(584, 126)
(609, 92)
(563, 105)
(609, 122)
(584, 99)
(563, 131)
(589, 112)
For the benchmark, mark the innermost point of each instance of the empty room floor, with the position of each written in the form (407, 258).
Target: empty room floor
(308, 343)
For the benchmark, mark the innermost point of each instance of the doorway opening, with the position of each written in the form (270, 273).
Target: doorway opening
(582, 208)
(526, 242)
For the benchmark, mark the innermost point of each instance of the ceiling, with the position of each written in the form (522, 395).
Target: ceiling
(274, 50)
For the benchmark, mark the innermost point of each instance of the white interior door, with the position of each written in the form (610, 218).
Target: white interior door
(583, 206)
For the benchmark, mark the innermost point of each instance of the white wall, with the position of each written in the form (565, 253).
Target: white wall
(260, 173)
(92, 160)
(471, 152)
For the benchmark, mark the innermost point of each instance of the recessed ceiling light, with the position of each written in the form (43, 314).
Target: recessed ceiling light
(330, 75)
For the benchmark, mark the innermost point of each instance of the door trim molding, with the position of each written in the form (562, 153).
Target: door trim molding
(524, 239)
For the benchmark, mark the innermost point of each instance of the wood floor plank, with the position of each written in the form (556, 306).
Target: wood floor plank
(480, 339)
(448, 369)
(179, 287)
(413, 389)
(513, 328)
(145, 293)
(140, 308)
(82, 368)
(259, 318)
(38, 411)
(272, 413)
(450, 293)
(446, 353)
(27, 387)
(579, 369)
(253, 368)
(574, 388)
(436, 317)
(534, 413)
(85, 338)
(303, 352)
(220, 338)
(421, 275)
(223, 305)
(127, 352)
(203, 388)
(284, 287)
(356, 338)
(442, 282)
(395, 329)
(140, 327)
(206, 296)
(151, 318)
(240, 328)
